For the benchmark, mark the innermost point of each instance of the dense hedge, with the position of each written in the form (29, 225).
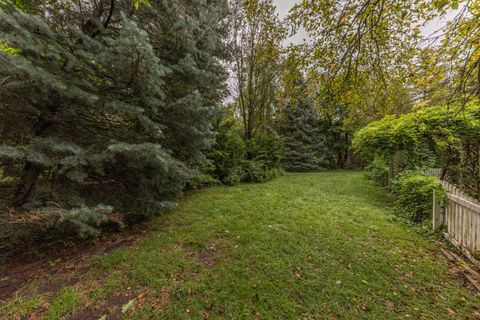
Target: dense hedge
(440, 128)
(442, 136)
(446, 137)
(233, 160)
(377, 171)
(414, 194)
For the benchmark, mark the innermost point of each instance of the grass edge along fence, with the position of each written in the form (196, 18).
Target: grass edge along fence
(460, 216)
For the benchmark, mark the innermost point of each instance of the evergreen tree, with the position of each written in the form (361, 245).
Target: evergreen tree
(189, 38)
(302, 140)
(111, 113)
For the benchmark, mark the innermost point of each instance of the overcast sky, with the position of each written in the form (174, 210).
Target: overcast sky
(283, 6)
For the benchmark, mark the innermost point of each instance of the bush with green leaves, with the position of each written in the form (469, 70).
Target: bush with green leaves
(232, 165)
(204, 177)
(228, 151)
(233, 160)
(426, 135)
(414, 194)
(258, 171)
(447, 137)
(266, 147)
(377, 171)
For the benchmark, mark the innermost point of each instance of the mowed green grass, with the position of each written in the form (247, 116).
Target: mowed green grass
(305, 246)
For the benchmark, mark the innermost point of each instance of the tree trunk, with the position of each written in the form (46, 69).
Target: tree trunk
(31, 172)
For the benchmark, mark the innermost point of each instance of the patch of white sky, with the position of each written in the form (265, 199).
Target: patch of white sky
(431, 27)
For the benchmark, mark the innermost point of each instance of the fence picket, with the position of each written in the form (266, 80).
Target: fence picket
(460, 224)
(455, 220)
(450, 218)
(465, 227)
(461, 215)
(476, 232)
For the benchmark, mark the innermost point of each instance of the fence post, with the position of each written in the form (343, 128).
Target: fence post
(437, 217)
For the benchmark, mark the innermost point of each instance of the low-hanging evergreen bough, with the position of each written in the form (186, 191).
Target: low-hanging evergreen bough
(107, 118)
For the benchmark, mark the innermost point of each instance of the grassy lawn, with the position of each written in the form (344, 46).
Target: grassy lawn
(305, 246)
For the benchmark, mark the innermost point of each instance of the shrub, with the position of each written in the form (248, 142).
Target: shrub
(204, 178)
(266, 147)
(439, 136)
(234, 176)
(377, 171)
(202, 181)
(234, 161)
(414, 192)
(257, 171)
(227, 154)
(264, 157)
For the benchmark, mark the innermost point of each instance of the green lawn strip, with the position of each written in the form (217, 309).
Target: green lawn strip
(64, 303)
(318, 245)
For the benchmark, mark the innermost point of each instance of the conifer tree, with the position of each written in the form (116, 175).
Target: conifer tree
(109, 117)
(189, 38)
(302, 139)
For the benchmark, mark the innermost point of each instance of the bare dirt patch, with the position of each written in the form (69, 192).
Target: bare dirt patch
(466, 272)
(208, 256)
(112, 307)
(211, 255)
(66, 264)
(160, 302)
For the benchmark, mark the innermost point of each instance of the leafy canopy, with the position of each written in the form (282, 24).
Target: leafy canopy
(441, 127)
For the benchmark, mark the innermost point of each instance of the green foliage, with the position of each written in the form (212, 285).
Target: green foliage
(414, 194)
(75, 157)
(360, 57)
(336, 145)
(377, 171)
(440, 136)
(266, 147)
(204, 177)
(264, 157)
(234, 160)
(228, 151)
(441, 128)
(458, 50)
(107, 120)
(257, 171)
(256, 49)
(302, 139)
(136, 3)
(6, 48)
(63, 304)
(83, 221)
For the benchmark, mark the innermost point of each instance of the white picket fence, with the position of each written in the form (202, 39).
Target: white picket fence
(460, 215)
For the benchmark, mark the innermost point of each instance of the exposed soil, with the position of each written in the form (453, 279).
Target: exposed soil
(459, 270)
(211, 255)
(112, 308)
(208, 257)
(59, 259)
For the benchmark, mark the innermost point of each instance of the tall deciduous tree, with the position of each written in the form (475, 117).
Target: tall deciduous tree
(358, 61)
(257, 34)
(456, 47)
